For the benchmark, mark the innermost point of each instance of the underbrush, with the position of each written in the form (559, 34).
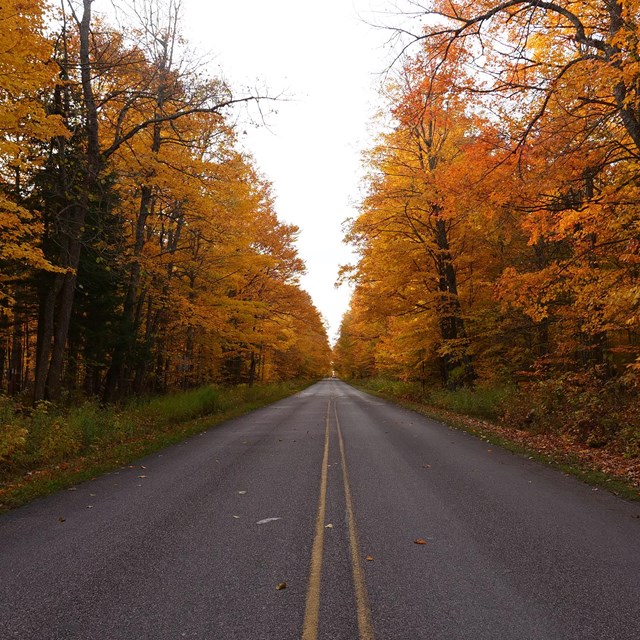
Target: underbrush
(481, 402)
(45, 447)
(594, 412)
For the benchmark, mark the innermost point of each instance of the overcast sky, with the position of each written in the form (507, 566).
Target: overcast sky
(329, 63)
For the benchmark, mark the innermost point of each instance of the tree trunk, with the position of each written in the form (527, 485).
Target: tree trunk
(452, 327)
(115, 382)
(75, 222)
(48, 295)
(17, 357)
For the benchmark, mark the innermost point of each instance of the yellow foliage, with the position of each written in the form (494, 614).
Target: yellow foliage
(62, 439)
(12, 439)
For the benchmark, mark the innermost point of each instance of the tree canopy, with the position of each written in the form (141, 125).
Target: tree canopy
(141, 249)
(499, 238)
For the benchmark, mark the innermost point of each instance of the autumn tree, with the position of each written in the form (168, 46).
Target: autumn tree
(537, 179)
(26, 71)
(155, 256)
(111, 117)
(411, 230)
(563, 79)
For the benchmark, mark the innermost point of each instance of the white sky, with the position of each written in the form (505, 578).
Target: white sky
(329, 62)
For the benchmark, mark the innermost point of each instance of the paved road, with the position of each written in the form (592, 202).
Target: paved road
(192, 542)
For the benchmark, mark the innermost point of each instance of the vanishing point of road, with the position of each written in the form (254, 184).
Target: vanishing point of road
(328, 515)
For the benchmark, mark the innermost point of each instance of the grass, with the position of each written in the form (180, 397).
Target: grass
(475, 411)
(482, 402)
(50, 449)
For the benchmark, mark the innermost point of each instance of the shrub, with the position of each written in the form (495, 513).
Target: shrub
(61, 441)
(13, 435)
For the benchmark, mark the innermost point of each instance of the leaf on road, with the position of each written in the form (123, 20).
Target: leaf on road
(242, 492)
(267, 520)
(61, 519)
(369, 558)
(281, 585)
(235, 517)
(142, 476)
(328, 526)
(420, 541)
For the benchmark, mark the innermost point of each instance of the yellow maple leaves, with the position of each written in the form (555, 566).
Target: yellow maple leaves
(524, 152)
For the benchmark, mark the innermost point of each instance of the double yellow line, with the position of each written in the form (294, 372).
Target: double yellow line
(312, 607)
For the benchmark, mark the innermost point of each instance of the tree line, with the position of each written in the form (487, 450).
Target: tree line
(499, 236)
(139, 247)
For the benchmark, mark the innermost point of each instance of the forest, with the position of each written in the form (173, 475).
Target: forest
(498, 240)
(140, 250)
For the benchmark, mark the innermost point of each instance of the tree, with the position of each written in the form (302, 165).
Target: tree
(114, 115)
(410, 225)
(139, 241)
(25, 73)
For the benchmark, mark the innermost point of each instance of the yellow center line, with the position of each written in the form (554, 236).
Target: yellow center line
(312, 607)
(365, 626)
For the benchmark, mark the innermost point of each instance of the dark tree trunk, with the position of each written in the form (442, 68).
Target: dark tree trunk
(457, 368)
(252, 368)
(72, 224)
(16, 361)
(115, 380)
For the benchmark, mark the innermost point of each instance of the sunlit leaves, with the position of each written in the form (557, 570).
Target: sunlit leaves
(517, 124)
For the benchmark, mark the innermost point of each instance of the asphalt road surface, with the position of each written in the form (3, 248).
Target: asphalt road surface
(326, 492)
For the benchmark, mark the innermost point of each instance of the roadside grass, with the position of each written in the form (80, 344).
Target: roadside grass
(479, 413)
(48, 449)
(481, 402)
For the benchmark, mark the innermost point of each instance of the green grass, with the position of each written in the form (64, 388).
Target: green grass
(55, 449)
(480, 402)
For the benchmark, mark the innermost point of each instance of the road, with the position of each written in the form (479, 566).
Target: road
(326, 492)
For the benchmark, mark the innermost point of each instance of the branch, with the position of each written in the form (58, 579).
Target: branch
(119, 141)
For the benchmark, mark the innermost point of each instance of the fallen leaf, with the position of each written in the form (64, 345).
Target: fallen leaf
(267, 520)
(426, 466)
(242, 492)
(281, 585)
(236, 517)
(369, 558)
(328, 526)
(142, 476)
(89, 506)
(420, 541)
(61, 519)
(72, 489)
